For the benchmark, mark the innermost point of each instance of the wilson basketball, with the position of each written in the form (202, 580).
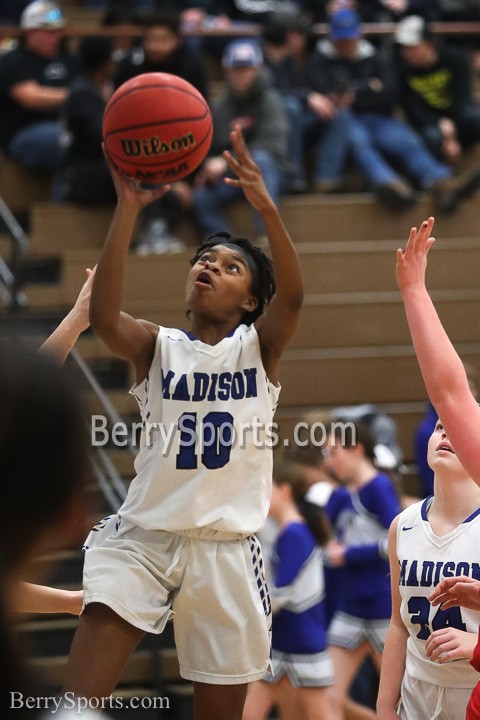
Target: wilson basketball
(157, 128)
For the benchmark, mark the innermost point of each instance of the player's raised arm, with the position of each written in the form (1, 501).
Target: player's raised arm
(64, 337)
(442, 369)
(125, 336)
(277, 326)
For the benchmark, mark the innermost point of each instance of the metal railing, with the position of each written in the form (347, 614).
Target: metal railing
(10, 273)
(110, 482)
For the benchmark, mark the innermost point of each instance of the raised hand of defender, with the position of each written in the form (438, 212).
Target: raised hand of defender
(460, 590)
(412, 262)
(249, 177)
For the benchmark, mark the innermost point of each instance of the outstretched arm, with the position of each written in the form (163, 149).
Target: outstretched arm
(126, 337)
(276, 327)
(443, 372)
(32, 598)
(64, 337)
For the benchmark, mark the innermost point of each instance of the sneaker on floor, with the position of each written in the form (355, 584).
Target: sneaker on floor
(450, 191)
(154, 239)
(396, 194)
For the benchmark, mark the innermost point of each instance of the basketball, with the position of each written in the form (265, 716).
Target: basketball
(157, 128)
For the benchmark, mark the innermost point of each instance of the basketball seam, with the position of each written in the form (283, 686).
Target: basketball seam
(157, 122)
(159, 86)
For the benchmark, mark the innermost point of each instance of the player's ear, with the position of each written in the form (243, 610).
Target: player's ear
(250, 304)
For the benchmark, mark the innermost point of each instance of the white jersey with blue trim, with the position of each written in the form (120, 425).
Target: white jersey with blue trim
(425, 559)
(205, 459)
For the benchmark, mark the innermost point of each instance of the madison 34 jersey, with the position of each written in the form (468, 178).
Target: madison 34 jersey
(425, 559)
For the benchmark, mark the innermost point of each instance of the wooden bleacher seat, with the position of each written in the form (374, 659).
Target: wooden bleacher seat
(19, 188)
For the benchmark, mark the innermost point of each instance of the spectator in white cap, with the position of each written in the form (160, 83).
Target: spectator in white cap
(34, 80)
(251, 101)
(436, 92)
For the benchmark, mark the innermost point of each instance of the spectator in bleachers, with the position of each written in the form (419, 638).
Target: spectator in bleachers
(349, 71)
(34, 80)
(122, 18)
(85, 177)
(316, 128)
(163, 50)
(435, 90)
(249, 100)
(394, 10)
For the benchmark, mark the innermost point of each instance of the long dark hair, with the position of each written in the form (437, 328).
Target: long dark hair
(43, 461)
(293, 474)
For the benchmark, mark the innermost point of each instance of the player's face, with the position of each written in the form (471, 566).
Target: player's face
(219, 283)
(440, 452)
(339, 460)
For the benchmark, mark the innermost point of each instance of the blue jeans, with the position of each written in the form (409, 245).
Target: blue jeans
(37, 146)
(376, 139)
(209, 200)
(329, 141)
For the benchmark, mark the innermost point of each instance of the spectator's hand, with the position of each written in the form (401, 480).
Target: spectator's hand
(183, 190)
(412, 263)
(212, 171)
(321, 105)
(249, 177)
(450, 644)
(451, 147)
(453, 591)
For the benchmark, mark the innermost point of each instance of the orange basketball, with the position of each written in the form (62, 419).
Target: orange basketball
(157, 128)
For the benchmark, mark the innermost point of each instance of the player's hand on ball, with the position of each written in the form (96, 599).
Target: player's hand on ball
(249, 177)
(130, 189)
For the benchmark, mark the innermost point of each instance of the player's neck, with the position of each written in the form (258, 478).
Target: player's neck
(211, 333)
(455, 498)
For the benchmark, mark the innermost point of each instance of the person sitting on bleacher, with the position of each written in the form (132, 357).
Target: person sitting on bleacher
(436, 93)
(34, 80)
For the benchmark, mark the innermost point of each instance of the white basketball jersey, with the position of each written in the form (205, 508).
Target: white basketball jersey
(425, 559)
(205, 459)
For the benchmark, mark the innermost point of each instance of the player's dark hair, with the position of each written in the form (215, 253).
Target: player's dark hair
(349, 435)
(263, 282)
(293, 474)
(44, 467)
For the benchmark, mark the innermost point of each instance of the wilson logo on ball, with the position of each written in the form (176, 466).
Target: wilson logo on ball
(154, 146)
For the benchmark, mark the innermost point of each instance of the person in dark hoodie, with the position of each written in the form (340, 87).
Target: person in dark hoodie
(250, 101)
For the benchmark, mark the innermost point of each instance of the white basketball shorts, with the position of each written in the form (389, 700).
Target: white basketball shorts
(211, 584)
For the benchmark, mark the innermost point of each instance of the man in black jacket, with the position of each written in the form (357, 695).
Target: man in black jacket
(435, 88)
